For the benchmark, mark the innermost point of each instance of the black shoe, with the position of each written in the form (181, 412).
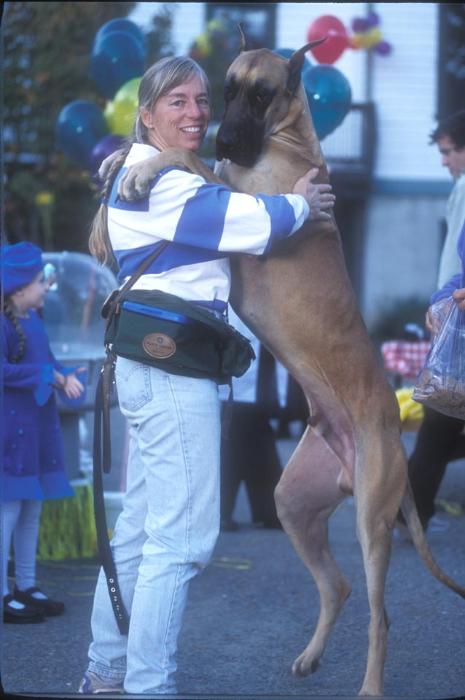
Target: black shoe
(47, 606)
(23, 616)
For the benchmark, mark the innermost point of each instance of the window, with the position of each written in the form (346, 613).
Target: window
(451, 69)
(258, 20)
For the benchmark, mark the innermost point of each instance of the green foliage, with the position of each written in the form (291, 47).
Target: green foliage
(46, 64)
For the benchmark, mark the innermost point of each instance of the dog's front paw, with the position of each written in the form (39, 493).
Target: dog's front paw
(135, 183)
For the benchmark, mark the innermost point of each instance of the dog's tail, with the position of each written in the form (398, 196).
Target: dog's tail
(417, 534)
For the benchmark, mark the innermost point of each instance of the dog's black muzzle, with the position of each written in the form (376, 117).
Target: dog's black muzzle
(241, 143)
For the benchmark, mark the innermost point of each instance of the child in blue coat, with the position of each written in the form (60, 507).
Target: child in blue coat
(33, 461)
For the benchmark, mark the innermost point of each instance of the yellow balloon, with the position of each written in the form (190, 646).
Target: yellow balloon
(357, 41)
(203, 44)
(372, 38)
(215, 24)
(120, 114)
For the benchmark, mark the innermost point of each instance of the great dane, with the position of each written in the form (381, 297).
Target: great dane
(300, 304)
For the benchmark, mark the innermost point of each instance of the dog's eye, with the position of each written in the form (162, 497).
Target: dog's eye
(229, 92)
(263, 97)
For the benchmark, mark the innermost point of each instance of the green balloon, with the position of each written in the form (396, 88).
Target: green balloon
(121, 112)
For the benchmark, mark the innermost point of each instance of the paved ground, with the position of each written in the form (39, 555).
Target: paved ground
(252, 612)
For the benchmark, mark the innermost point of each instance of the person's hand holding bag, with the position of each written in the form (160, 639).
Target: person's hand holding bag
(441, 383)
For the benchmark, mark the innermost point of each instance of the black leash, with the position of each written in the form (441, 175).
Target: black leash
(102, 462)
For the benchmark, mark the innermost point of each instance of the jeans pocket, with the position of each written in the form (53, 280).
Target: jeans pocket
(133, 384)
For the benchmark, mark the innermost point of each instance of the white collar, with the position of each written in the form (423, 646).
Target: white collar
(140, 151)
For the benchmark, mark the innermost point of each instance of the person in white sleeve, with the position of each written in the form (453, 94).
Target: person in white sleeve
(170, 519)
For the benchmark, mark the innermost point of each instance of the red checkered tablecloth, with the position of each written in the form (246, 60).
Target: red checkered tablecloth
(404, 357)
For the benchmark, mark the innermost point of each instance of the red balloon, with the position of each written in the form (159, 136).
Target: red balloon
(337, 39)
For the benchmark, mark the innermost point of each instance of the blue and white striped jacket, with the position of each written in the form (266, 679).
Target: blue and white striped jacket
(204, 222)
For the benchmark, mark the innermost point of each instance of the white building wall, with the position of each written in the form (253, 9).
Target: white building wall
(405, 92)
(403, 235)
(401, 252)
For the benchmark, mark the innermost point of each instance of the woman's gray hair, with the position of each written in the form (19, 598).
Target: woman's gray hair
(161, 78)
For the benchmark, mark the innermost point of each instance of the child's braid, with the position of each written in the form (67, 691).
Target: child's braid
(8, 311)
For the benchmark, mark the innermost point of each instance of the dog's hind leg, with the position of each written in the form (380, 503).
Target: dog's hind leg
(380, 481)
(306, 495)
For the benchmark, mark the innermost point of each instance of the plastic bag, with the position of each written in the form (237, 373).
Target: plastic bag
(441, 383)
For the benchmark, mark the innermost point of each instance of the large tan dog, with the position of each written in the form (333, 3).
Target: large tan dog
(300, 303)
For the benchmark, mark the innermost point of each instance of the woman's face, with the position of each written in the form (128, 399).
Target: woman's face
(180, 118)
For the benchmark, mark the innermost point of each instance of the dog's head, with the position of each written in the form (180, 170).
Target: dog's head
(258, 90)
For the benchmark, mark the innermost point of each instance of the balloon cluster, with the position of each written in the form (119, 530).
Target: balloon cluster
(366, 35)
(86, 133)
(328, 93)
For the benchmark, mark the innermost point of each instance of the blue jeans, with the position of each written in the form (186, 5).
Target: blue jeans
(168, 527)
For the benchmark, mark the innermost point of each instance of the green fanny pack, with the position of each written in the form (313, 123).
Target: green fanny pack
(165, 331)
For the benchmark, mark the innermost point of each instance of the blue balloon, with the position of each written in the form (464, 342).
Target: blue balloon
(79, 127)
(121, 25)
(329, 96)
(285, 53)
(116, 58)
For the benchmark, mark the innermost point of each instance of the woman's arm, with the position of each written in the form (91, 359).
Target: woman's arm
(185, 209)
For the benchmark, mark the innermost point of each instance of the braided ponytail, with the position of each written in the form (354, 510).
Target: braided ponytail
(99, 240)
(9, 313)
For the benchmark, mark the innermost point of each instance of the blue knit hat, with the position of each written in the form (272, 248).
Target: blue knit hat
(20, 265)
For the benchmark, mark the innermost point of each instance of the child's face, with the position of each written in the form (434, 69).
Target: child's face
(31, 296)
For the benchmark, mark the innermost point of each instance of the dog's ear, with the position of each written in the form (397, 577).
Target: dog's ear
(243, 42)
(296, 62)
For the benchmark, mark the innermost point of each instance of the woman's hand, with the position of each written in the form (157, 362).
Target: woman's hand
(319, 197)
(459, 298)
(436, 314)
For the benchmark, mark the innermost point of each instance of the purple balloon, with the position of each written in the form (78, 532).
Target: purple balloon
(105, 147)
(372, 19)
(384, 48)
(360, 24)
